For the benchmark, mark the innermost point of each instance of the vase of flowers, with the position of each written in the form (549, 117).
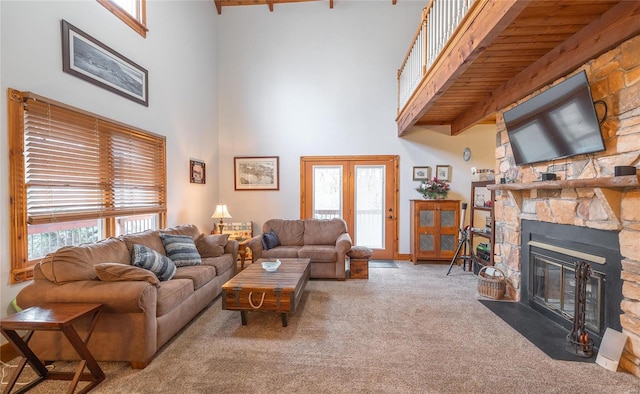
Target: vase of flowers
(433, 189)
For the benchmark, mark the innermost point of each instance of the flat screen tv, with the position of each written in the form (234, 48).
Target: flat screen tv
(559, 122)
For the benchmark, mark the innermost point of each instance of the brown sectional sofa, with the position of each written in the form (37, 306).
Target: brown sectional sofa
(325, 242)
(140, 313)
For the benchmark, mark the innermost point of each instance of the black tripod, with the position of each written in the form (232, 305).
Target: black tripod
(464, 243)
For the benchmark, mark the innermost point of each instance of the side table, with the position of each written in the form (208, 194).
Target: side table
(242, 251)
(53, 317)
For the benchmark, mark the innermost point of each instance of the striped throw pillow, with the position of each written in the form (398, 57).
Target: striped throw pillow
(181, 249)
(147, 258)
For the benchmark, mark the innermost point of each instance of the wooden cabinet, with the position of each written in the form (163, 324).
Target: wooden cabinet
(434, 229)
(481, 219)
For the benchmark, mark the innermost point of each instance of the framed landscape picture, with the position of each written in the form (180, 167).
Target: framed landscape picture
(87, 58)
(197, 171)
(256, 173)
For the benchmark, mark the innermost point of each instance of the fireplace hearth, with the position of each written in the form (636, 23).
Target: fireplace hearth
(550, 254)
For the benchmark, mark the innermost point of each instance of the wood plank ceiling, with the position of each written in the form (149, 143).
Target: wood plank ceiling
(528, 45)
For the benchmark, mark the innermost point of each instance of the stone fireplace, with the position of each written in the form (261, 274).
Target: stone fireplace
(587, 204)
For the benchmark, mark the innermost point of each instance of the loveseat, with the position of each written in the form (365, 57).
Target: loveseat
(324, 242)
(143, 308)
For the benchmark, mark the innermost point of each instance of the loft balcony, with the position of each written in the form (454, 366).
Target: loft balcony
(471, 58)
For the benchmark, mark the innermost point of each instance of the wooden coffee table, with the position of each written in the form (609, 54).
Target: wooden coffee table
(255, 289)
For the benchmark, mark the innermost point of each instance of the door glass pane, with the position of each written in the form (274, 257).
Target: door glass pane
(327, 192)
(369, 205)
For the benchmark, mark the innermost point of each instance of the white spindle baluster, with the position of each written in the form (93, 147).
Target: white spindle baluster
(437, 27)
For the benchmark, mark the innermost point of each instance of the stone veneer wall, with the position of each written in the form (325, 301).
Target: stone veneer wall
(615, 78)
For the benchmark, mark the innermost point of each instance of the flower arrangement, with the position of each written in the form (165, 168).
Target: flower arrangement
(433, 189)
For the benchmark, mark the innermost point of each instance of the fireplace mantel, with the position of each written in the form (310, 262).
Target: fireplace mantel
(608, 190)
(606, 182)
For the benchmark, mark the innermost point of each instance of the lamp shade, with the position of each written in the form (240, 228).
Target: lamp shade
(221, 212)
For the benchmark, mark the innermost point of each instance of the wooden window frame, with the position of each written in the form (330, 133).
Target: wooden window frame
(110, 206)
(139, 24)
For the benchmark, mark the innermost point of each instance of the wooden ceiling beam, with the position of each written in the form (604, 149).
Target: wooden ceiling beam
(270, 3)
(612, 28)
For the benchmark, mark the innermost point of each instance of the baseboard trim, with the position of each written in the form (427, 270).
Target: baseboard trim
(403, 257)
(8, 352)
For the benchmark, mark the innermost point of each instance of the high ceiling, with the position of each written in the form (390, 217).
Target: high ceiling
(505, 51)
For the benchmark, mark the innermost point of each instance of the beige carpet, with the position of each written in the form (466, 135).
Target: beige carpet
(406, 330)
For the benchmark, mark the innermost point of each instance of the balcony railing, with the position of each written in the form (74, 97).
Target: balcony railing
(440, 19)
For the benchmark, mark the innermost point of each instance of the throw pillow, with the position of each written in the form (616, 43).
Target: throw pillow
(149, 259)
(181, 249)
(117, 272)
(211, 245)
(270, 240)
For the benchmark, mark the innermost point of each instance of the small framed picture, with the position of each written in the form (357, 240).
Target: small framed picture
(421, 173)
(197, 173)
(443, 173)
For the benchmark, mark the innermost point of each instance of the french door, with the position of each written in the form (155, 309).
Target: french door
(362, 190)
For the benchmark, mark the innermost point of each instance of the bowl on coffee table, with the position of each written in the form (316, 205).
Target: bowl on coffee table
(271, 266)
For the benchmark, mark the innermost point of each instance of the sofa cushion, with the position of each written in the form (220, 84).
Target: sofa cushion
(290, 232)
(211, 245)
(116, 272)
(149, 238)
(181, 249)
(270, 240)
(149, 259)
(173, 293)
(183, 229)
(323, 232)
(200, 275)
(319, 253)
(221, 263)
(285, 252)
(72, 263)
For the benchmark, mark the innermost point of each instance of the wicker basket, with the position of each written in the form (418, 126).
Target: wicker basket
(492, 285)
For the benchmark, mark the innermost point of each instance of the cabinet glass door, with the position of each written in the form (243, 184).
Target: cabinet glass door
(426, 224)
(448, 241)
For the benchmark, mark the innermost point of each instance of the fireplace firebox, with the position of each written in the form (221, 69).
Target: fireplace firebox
(550, 253)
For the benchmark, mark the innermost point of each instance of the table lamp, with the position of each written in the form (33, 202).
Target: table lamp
(221, 213)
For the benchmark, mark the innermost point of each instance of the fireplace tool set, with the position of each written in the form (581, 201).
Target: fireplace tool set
(578, 341)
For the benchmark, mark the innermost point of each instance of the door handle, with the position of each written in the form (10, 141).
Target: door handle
(389, 217)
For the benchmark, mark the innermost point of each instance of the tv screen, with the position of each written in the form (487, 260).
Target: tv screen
(559, 122)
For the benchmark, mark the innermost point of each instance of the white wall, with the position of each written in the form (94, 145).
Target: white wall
(307, 80)
(181, 57)
(302, 80)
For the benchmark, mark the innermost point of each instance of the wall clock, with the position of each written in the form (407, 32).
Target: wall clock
(466, 154)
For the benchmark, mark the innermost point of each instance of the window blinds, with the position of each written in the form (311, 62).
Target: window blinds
(78, 166)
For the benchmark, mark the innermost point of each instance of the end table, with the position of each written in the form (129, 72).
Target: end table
(53, 317)
(242, 251)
